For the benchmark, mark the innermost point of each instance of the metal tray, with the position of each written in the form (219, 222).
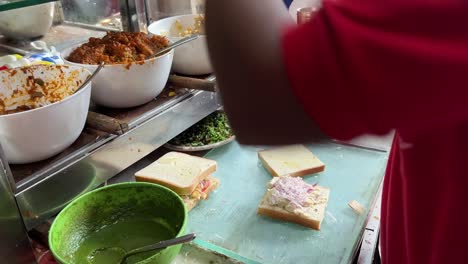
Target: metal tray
(200, 148)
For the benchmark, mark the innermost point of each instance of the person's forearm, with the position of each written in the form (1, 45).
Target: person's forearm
(245, 49)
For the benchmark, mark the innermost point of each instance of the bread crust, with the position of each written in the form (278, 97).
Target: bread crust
(181, 190)
(308, 171)
(289, 217)
(267, 166)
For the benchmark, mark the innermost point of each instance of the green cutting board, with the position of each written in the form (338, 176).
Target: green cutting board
(229, 220)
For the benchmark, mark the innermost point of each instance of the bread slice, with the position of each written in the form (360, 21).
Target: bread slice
(357, 207)
(293, 160)
(315, 213)
(178, 171)
(191, 202)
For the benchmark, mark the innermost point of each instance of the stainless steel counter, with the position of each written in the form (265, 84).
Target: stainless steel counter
(41, 196)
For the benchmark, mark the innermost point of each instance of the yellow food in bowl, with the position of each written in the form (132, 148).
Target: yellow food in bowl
(198, 27)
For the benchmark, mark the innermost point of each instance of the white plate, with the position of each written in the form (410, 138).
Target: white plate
(200, 148)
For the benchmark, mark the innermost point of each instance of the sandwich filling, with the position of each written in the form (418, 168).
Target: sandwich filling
(200, 192)
(290, 193)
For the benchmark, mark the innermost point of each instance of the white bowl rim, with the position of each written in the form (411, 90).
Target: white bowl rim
(174, 17)
(72, 48)
(88, 86)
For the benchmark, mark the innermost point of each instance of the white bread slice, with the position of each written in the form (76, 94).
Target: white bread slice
(293, 160)
(315, 212)
(190, 202)
(178, 171)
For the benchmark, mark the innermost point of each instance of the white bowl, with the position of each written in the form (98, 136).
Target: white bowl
(43, 132)
(27, 22)
(128, 85)
(191, 58)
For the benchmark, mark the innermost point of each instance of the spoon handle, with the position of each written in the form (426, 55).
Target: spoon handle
(162, 244)
(176, 44)
(98, 69)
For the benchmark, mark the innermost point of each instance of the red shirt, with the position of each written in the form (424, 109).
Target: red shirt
(368, 66)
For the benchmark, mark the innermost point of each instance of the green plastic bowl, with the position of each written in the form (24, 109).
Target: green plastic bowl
(105, 206)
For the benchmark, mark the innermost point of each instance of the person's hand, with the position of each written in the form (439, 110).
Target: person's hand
(244, 42)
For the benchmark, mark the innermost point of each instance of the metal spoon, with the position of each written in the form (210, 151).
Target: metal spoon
(176, 44)
(98, 69)
(118, 255)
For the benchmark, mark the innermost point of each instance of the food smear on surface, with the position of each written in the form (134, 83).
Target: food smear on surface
(118, 48)
(198, 28)
(127, 234)
(213, 129)
(33, 90)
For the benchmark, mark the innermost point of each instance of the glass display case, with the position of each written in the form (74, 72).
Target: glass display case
(67, 20)
(32, 193)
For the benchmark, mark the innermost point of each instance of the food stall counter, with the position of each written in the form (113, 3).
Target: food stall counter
(227, 222)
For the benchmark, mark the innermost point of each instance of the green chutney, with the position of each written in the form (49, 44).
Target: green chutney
(127, 234)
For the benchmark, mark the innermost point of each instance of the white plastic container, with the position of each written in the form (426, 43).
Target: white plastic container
(191, 58)
(128, 85)
(27, 22)
(43, 132)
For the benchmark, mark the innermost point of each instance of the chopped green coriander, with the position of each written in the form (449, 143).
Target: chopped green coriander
(212, 129)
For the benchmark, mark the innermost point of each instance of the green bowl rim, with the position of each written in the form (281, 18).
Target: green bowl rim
(51, 246)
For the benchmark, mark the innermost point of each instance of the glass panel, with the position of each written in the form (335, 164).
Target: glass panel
(159, 9)
(14, 242)
(101, 13)
(164, 8)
